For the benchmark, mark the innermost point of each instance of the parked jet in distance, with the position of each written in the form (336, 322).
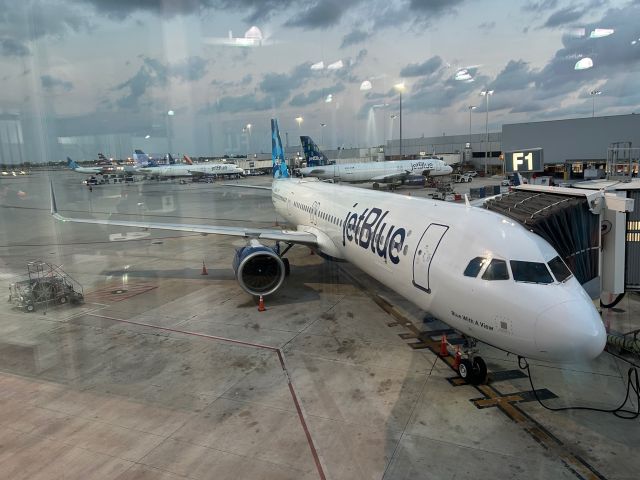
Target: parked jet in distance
(483, 274)
(394, 171)
(193, 170)
(85, 170)
(188, 169)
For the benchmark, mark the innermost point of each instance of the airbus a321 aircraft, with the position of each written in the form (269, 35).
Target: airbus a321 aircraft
(484, 275)
(190, 169)
(394, 171)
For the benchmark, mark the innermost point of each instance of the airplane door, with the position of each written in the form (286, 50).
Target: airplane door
(424, 253)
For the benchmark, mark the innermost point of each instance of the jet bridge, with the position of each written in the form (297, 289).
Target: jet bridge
(586, 227)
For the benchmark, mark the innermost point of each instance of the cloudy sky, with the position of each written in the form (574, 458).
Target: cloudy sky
(107, 65)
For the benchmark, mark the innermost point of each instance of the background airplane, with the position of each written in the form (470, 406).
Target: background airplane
(476, 270)
(394, 171)
(85, 170)
(188, 169)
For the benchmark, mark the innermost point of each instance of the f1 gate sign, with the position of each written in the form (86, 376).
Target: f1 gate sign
(529, 160)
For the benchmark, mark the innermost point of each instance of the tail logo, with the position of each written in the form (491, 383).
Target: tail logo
(277, 152)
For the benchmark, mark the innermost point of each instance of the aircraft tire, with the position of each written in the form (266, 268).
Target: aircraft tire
(376, 186)
(465, 369)
(479, 370)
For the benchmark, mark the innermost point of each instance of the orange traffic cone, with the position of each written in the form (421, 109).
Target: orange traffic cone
(261, 304)
(443, 346)
(204, 269)
(457, 358)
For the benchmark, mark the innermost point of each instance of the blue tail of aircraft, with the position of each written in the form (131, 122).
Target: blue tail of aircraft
(142, 159)
(312, 153)
(71, 164)
(171, 160)
(277, 152)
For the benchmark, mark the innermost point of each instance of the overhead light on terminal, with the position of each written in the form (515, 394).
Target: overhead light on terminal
(583, 64)
(601, 32)
(147, 137)
(329, 99)
(366, 85)
(317, 66)
(335, 65)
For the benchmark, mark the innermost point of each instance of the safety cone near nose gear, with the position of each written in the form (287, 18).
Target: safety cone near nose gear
(443, 346)
(261, 304)
(457, 358)
(204, 269)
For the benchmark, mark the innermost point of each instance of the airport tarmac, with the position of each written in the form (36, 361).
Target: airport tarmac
(167, 373)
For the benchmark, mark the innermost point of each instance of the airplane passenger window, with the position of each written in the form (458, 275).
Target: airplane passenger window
(559, 269)
(533, 272)
(497, 270)
(474, 267)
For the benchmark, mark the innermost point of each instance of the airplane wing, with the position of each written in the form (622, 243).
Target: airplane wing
(391, 177)
(291, 236)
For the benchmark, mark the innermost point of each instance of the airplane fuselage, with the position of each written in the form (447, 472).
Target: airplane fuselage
(88, 170)
(191, 170)
(370, 171)
(420, 248)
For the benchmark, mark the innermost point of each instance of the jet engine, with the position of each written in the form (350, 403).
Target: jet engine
(259, 269)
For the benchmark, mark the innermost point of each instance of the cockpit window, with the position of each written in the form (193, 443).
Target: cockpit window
(532, 272)
(474, 267)
(497, 270)
(559, 269)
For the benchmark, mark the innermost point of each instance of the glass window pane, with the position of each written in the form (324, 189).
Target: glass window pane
(497, 270)
(559, 269)
(474, 267)
(533, 272)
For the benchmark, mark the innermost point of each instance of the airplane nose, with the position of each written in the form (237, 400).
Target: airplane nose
(448, 169)
(570, 330)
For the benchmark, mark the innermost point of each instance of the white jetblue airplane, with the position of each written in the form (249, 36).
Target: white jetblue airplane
(484, 275)
(192, 170)
(394, 171)
(72, 165)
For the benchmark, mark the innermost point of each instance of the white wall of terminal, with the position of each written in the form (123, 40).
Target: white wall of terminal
(576, 139)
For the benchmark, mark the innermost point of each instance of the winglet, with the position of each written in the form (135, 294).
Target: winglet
(466, 200)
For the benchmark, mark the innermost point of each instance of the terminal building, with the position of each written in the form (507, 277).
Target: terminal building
(570, 145)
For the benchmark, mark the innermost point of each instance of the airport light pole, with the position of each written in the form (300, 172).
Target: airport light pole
(299, 119)
(593, 94)
(486, 94)
(400, 88)
(322, 125)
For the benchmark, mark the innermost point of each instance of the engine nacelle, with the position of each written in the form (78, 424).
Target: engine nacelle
(259, 269)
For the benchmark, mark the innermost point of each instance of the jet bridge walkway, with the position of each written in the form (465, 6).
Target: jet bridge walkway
(565, 221)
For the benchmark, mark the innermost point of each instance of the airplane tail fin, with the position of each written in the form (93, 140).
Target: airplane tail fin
(312, 153)
(277, 152)
(141, 159)
(187, 160)
(171, 160)
(71, 164)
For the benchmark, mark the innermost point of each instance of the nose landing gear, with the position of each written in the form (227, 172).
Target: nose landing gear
(472, 369)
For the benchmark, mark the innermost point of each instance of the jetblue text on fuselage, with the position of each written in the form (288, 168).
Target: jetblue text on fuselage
(422, 166)
(370, 231)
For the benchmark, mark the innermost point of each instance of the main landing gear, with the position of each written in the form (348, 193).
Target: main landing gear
(472, 369)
